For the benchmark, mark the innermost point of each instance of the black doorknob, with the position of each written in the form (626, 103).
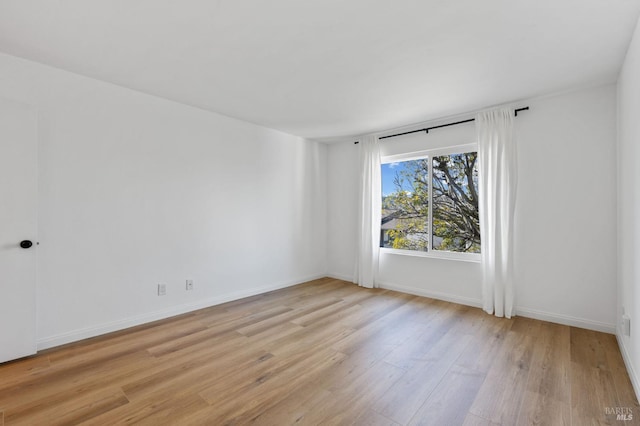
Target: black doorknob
(25, 244)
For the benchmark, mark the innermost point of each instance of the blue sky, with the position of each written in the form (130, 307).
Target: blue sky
(388, 174)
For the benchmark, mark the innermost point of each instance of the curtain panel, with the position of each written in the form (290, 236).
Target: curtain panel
(498, 182)
(369, 212)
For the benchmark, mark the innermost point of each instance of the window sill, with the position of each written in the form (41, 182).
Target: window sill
(446, 255)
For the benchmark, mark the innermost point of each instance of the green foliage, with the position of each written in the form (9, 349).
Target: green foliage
(455, 200)
(408, 207)
(456, 224)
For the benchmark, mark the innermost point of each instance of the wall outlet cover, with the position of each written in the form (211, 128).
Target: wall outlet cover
(626, 325)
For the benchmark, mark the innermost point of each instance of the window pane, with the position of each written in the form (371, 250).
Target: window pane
(405, 205)
(456, 226)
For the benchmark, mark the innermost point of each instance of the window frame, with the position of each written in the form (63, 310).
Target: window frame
(418, 155)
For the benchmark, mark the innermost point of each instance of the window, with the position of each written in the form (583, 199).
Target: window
(430, 203)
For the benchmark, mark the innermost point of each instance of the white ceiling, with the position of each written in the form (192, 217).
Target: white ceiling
(326, 69)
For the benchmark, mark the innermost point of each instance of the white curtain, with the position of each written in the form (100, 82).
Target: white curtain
(498, 181)
(369, 205)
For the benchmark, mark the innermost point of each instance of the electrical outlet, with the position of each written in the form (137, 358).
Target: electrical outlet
(162, 289)
(626, 325)
(189, 285)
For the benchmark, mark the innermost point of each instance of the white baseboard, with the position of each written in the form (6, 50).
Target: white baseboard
(85, 333)
(433, 294)
(566, 320)
(93, 331)
(340, 277)
(627, 362)
(523, 312)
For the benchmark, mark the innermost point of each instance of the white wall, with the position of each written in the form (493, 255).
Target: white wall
(565, 218)
(629, 206)
(342, 187)
(136, 190)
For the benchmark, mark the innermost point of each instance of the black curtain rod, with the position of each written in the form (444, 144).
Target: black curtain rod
(441, 125)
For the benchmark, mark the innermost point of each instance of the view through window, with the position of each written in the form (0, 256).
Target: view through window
(430, 203)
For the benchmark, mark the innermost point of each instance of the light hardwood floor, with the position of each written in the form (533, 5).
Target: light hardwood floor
(326, 352)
